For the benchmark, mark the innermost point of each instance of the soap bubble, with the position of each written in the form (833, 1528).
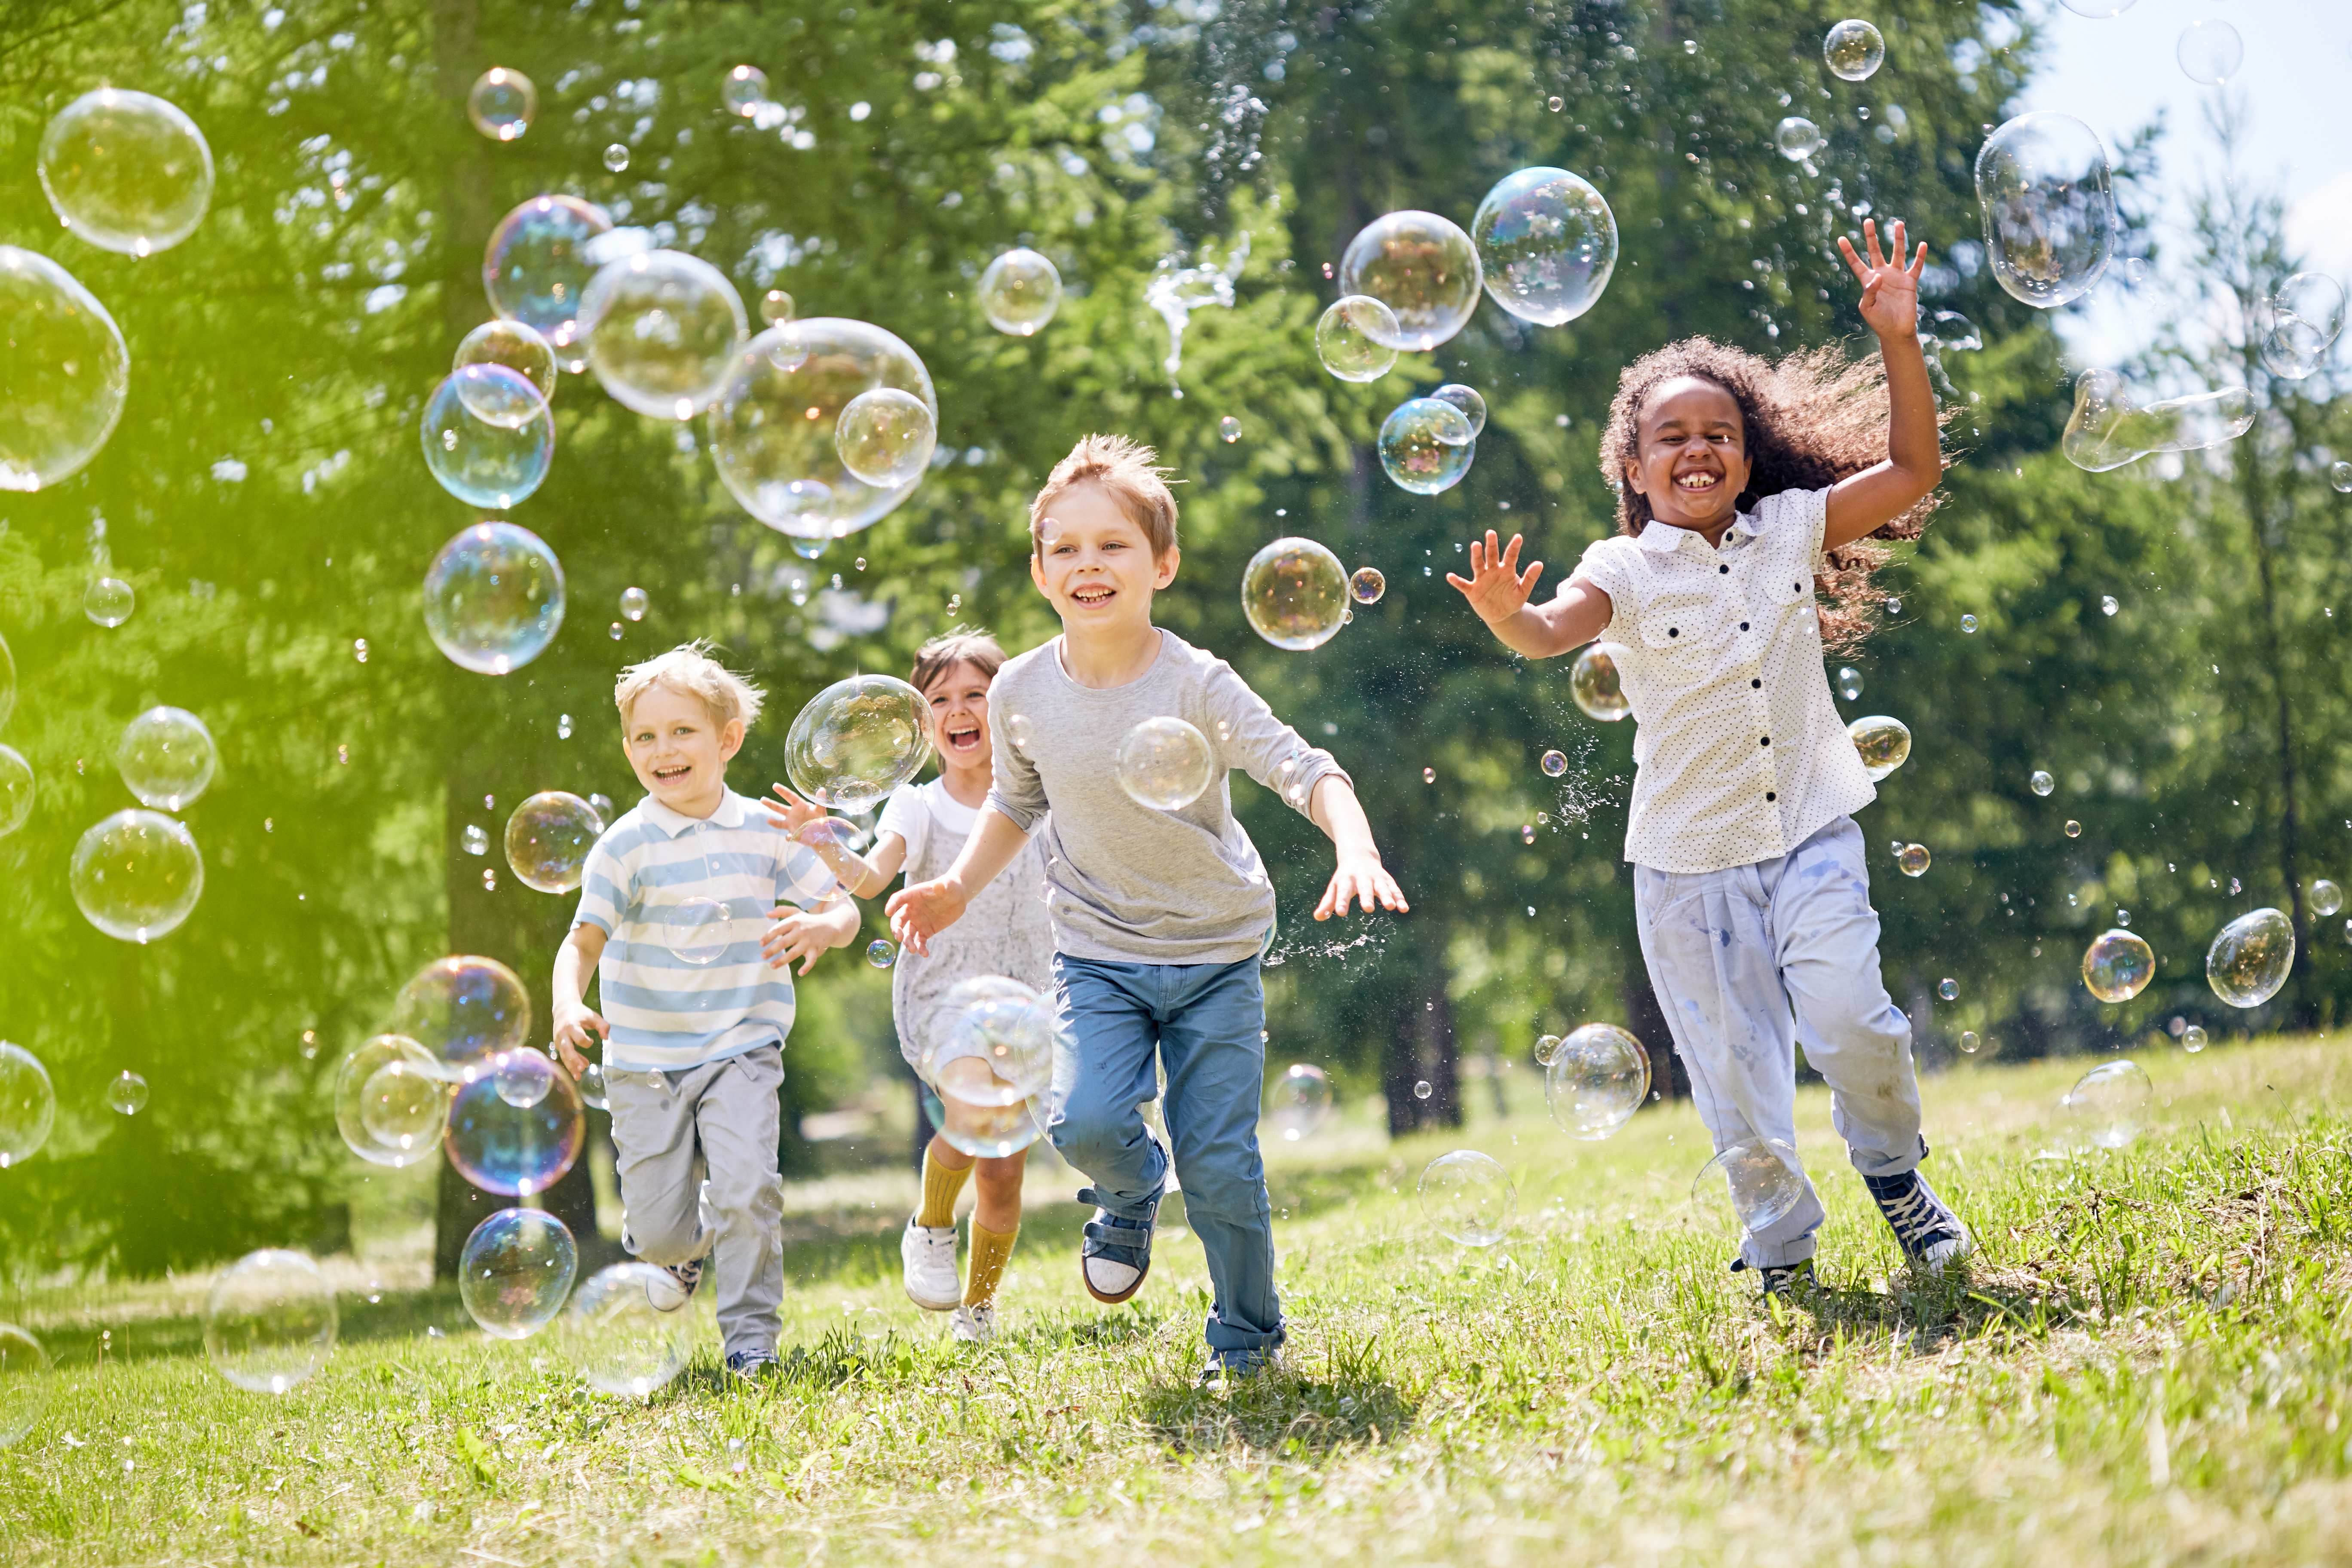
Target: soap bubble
(2340, 476)
(502, 103)
(1593, 681)
(1950, 990)
(2117, 966)
(881, 953)
(65, 370)
(2098, 10)
(392, 1102)
(2042, 782)
(1466, 399)
(1423, 268)
(494, 598)
(1298, 1102)
(885, 438)
(620, 1342)
(2299, 321)
(743, 91)
(1546, 244)
(109, 600)
(830, 871)
(1798, 138)
(2250, 959)
(617, 157)
(547, 840)
(1164, 763)
(1554, 764)
(1884, 743)
(126, 172)
(856, 740)
(2073, 828)
(126, 1093)
(1948, 331)
(522, 1077)
(517, 1150)
(520, 349)
(1020, 292)
(593, 1091)
(2192, 1039)
(663, 330)
(488, 435)
(536, 268)
(1913, 859)
(2210, 52)
(634, 604)
(2110, 427)
(1547, 1047)
(137, 874)
(2108, 1105)
(1293, 591)
(166, 757)
(1853, 50)
(1425, 445)
(1752, 1184)
(29, 1104)
(15, 790)
(997, 1059)
(516, 1270)
(27, 1384)
(1366, 585)
(1466, 1198)
(1352, 338)
(476, 840)
(463, 1009)
(1849, 683)
(1597, 1078)
(2049, 214)
(771, 431)
(269, 1321)
(1967, 622)
(700, 930)
(775, 306)
(2326, 898)
(1969, 1041)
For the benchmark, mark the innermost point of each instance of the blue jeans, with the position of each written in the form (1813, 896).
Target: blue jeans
(1204, 1020)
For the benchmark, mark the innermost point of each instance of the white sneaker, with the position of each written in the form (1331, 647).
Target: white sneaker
(928, 1254)
(974, 1325)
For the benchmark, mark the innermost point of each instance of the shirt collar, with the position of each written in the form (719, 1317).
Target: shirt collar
(1665, 538)
(728, 814)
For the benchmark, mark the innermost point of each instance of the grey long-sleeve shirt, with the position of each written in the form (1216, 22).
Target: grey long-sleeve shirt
(1125, 883)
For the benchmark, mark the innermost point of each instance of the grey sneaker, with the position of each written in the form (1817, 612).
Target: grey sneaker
(678, 1287)
(1929, 1233)
(1225, 1368)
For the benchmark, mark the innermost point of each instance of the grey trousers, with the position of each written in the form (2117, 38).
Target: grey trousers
(721, 1120)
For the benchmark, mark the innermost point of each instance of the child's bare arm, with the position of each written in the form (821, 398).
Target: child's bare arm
(923, 910)
(869, 873)
(1862, 504)
(575, 960)
(1358, 873)
(1497, 590)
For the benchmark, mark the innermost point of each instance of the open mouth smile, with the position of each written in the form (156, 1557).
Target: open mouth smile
(963, 740)
(1692, 482)
(672, 773)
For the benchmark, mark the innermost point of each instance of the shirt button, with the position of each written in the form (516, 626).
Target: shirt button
(1725, 570)
(1765, 741)
(1757, 685)
(1771, 794)
(1674, 631)
(1743, 625)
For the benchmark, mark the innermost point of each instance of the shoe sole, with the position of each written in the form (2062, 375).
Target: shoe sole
(1124, 1295)
(932, 1306)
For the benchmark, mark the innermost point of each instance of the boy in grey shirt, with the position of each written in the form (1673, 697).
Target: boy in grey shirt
(1157, 917)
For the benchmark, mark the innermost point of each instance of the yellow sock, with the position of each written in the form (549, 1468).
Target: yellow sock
(940, 1185)
(989, 1248)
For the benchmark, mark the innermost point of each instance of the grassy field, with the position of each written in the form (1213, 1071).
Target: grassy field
(2149, 1361)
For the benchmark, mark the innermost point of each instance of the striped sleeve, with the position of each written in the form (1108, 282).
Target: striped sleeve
(606, 888)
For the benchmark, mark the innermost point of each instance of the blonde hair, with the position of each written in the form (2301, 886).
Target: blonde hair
(963, 644)
(690, 669)
(1128, 472)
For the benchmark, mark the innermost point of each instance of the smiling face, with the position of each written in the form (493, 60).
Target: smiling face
(1094, 563)
(1690, 455)
(679, 751)
(958, 697)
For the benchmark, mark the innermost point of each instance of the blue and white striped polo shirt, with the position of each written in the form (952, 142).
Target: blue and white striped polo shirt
(682, 983)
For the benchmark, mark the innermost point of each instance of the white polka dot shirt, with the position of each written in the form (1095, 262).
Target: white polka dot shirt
(1739, 755)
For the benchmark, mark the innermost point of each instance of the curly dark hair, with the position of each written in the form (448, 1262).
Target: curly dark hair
(1809, 420)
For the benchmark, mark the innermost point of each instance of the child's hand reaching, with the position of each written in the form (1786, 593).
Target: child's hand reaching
(575, 1026)
(1890, 291)
(1497, 588)
(790, 812)
(921, 912)
(800, 933)
(1362, 876)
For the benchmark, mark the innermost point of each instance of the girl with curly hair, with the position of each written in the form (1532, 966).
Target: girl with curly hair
(1750, 490)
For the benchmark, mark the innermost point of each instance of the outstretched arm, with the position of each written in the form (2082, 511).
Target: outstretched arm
(1358, 873)
(1497, 590)
(921, 912)
(1862, 504)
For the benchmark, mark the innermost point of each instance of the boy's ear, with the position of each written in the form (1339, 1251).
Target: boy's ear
(1038, 571)
(730, 739)
(1163, 571)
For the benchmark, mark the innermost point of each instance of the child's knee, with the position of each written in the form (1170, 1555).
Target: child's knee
(669, 1237)
(1224, 1186)
(1086, 1133)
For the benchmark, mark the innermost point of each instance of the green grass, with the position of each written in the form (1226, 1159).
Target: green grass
(2149, 1361)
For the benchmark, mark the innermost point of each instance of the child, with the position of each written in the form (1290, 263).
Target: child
(1157, 915)
(1749, 885)
(694, 1053)
(922, 829)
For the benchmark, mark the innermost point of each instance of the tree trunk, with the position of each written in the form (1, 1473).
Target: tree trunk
(2301, 1010)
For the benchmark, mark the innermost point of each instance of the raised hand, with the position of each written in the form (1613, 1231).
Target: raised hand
(1890, 290)
(1496, 587)
(921, 912)
(790, 812)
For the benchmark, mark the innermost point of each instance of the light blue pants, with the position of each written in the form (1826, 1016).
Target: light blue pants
(1749, 961)
(1203, 1020)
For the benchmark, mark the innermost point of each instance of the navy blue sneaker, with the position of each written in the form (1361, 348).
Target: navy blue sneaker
(1929, 1233)
(1225, 1368)
(751, 1365)
(1115, 1256)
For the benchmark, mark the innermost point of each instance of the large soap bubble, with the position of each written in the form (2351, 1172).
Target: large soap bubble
(1425, 445)
(2210, 52)
(488, 435)
(137, 874)
(1466, 1197)
(1164, 763)
(269, 1321)
(1020, 292)
(15, 790)
(64, 372)
(517, 1150)
(27, 1384)
(2049, 214)
(1352, 338)
(772, 430)
(663, 329)
(502, 103)
(1294, 593)
(2299, 321)
(535, 267)
(1597, 1078)
(619, 1340)
(2108, 1105)
(516, 1270)
(518, 347)
(2250, 959)
(392, 1102)
(2117, 966)
(547, 840)
(494, 598)
(856, 740)
(1298, 1102)
(1884, 743)
(1597, 684)
(2110, 426)
(1546, 244)
(463, 1009)
(1423, 268)
(1853, 49)
(1749, 1184)
(886, 436)
(166, 757)
(126, 170)
(28, 1105)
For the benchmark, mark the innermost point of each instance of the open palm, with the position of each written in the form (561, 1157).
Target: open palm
(1890, 290)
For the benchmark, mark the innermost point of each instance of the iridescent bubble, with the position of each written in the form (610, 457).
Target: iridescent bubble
(743, 91)
(502, 103)
(775, 306)
(1596, 1078)
(2250, 959)
(516, 1149)
(1913, 859)
(619, 1340)
(1366, 585)
(488, 435)
(463, 1009)
(1298, 1102)
(2326, 898)
(1546, 244)
(1593, 681)
(27, 1384)
(2340, 476)
(515, 1271)
(1466, 1197)
(1229, 429)
(2108, 1106)
(1967, 622)
(2108, 607)
(1547, 1047)
(137, 874)
(1950, 990)
(269, 1321)
(28, 1105)
(392, 1102)
(126, 172)
(1554, 764)
(2049, 212)
(1423, 268)
(881, 953)
(2299, 323)
(1466, 398)
(2110, 426)
(2117, 966)
(2042, 782)
(1164, 763)
(16, 790)
(64, 369)
(634, 604)
(520, 349)
(1853, 50)
(109, 600)
(2192, 1039)
(548, 839)
(1798, 138)
(1352, 337)
(1020, 292)
(522, 1077)
(494, 598)
(1849, 683)
(2210, 52)
(997, 1059)
(1969, 1041)
(1425, 445)
(885, 438)
(617, 157)
(474, 839)
(1293, 591)
(166, 758)
(126, 1093)
(1885, 744)
(1750, 1186)
(2073, 828)
(594, 1092)
(663, 330)
(536, 268)
(856, 740)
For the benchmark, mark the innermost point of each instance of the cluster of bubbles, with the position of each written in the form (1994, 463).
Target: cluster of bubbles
(392, 1102)
(1164, 763)
(1466, 1197)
